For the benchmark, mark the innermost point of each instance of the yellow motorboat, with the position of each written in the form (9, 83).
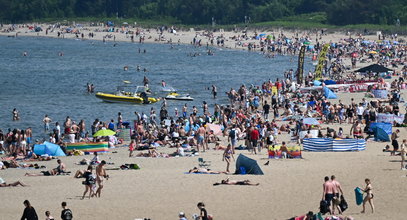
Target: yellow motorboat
(138, 97)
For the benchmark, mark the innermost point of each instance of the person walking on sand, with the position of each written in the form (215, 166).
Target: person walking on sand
(394, 142)
(328, 192)
(89, 182)
(403, 152)
(369, 195)
(227, 155)
(100, 176)
(337, 190)
(66, 214)
(29, 212)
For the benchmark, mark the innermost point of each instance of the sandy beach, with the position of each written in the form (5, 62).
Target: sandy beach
(161, 189)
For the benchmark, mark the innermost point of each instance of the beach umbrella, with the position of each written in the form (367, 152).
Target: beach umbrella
(104, 132)
(310, 121)
(376, 68)
(373, 52)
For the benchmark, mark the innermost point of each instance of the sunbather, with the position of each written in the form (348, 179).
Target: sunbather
(4, 184)
(204, 170)
(236, 182)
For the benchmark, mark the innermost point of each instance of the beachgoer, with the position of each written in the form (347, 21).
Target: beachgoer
(227, 154)
(200, 138)
(131, 147)
(203, 213)
(214, 91)
(403, 151)
(236, 182)
(46, 121)
(29, 212)
(369, 195)
(204, 170)
(233, 137)
(66, 214)
(328, 192)
(394, 142)
(89, 182)
(61, 168)
(16, 116)
(337, 190)
(48, 216)
(181, 216)
(17, 183)
(100, 176)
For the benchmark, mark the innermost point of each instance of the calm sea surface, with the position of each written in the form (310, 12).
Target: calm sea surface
(45, 83)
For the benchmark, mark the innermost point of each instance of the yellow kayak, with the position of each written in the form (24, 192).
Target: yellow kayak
(125, 98)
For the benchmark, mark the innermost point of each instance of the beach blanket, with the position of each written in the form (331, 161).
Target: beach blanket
(328, 144)
(88, 147)
(200, 173)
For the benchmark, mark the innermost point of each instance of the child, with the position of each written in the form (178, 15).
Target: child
(49, 217)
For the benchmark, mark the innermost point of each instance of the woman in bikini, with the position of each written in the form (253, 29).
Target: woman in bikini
(227, 155)
(369, 195)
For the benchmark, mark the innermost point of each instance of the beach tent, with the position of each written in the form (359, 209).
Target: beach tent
(329, 144)
(48, 148)
(380, 135)
(245, 165)
(387, 127)
(376, 68)
(329, 94)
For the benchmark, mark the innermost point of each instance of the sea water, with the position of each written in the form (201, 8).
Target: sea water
(45, 83)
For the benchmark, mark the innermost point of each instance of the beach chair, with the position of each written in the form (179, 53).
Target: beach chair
(204, 163)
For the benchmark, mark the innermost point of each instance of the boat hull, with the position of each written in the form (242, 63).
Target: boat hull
(123, 99)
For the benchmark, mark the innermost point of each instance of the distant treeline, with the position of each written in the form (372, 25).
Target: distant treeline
(338, 12)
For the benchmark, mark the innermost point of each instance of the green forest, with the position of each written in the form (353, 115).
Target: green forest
(196, 12)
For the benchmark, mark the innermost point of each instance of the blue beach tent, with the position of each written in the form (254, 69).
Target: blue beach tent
(48, 148)
(245, 165)
(380, 135)
(329, 94)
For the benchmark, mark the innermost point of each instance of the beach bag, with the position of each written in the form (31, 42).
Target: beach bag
(343, 204)
(67, 214)
(323, 207)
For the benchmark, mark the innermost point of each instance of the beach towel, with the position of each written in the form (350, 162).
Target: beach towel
(359, 196)
(200, 173)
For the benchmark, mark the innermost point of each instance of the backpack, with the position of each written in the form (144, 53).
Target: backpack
(323, 207)
(343, 204)
(67, 214)
(232, 134)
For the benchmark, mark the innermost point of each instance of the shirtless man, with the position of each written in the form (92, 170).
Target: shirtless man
(201, 137)
(100, 176)
(337, 190)
(46, 121)
(357, 130)
(328, 192)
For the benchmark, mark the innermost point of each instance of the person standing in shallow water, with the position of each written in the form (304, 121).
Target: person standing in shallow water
(16, 115)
